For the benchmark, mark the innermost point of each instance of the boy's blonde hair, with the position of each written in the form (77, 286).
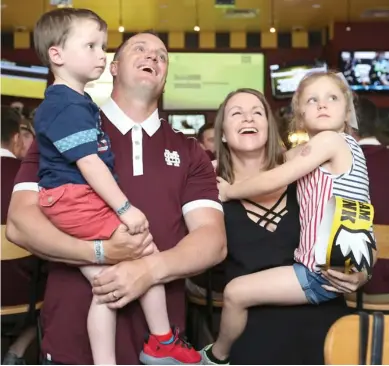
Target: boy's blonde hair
(53, 27)
(309, 79)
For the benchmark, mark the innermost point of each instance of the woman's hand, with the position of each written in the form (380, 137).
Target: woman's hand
(344, 283)
(223, 187)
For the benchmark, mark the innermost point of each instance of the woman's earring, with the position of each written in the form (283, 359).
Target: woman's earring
(224, 139)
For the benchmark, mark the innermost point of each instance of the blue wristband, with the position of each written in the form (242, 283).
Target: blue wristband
(124, 208)
(99, 251)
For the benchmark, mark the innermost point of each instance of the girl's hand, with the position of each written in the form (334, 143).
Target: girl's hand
(223, 187)
(344, 283)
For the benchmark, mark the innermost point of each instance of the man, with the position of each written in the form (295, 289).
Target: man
(206, 137)
(163, 173)
(16, 273)
(377, 162)
(27, 134)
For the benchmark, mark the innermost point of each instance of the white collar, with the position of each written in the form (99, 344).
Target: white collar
(124, 123)
(369, 141)
(5, 153)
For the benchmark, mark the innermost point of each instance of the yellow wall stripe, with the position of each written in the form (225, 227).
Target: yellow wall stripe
(238, 40)
(269, 40)
(115, 39)
(22, 40)
(207, 40)
(300, 39)
(176, 40)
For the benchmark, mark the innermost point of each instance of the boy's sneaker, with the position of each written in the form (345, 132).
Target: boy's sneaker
(177, 352)
(207, 360)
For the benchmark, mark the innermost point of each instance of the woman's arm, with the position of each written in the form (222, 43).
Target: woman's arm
(320, 149)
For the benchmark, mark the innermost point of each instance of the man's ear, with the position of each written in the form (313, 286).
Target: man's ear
(113, 68)
(55, 55)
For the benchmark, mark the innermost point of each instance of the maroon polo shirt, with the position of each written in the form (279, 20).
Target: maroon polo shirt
(166, 175)
(377, 162)
(16, 274)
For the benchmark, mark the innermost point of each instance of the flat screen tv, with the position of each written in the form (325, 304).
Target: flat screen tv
(366, 70)
(188, 124)
(24, 81)
(200, 81)
(285, 80)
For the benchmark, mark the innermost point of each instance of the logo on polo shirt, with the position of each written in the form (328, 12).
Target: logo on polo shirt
(172, 158)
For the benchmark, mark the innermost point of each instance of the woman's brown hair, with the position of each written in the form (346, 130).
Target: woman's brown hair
(273, 148)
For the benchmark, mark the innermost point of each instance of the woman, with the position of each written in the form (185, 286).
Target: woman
(263, 233)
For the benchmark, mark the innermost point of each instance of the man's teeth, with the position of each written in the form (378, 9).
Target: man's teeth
(148, 69)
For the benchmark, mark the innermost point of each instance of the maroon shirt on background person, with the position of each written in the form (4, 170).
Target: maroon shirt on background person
(16, 274)
(377, 162)
(163, 173)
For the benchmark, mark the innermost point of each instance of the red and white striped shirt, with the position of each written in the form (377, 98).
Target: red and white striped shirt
(316, 188)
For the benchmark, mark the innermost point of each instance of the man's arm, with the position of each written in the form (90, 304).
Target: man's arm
(28, 227)
(204, 247)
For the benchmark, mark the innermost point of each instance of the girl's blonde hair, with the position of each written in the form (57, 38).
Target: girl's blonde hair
(298, 118)
(273, 148)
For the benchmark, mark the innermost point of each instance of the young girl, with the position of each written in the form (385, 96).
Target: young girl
(330, 164)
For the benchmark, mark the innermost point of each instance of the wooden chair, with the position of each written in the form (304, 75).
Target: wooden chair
(342, 342)
(17, 317)
(378, 302)
(200, 315)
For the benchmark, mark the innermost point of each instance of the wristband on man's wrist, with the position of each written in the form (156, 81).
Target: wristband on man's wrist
(121, 210)
(99, 251)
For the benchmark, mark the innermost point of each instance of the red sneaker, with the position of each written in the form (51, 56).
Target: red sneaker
(176, 353)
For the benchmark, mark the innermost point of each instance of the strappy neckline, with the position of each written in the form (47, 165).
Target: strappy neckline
(269, 215)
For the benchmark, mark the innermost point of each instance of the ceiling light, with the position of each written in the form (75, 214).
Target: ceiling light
(348, 28)
(316, 6)
(196, 28)
(272, 30)
(121, 29)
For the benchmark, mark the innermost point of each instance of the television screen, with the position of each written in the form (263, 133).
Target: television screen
(187, 124)
(100, 89)
(285, 80)
(200, 81)
(366, 70)
(25, 81)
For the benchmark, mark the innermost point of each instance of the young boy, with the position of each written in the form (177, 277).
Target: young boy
(78, 191)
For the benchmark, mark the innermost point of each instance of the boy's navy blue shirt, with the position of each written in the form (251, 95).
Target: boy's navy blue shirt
(68, 128)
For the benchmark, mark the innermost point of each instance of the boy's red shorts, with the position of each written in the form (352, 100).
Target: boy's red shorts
(79, 211)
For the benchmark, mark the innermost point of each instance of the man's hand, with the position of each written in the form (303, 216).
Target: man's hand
(124, 246)
(120, 284)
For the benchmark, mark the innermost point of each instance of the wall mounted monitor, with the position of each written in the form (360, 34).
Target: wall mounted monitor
(366, 70)
(24, 81)
(200, 81)
(189, 124)
(285, 80)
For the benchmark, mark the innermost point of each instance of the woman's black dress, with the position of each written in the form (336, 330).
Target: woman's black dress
(275, 335)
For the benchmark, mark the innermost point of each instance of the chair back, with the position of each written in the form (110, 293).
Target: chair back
(10, 251)
(381, 233)
(345, 341)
